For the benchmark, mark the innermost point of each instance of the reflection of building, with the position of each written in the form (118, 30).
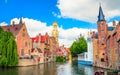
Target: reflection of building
(55, 32)
(22, 38)
(85, 70)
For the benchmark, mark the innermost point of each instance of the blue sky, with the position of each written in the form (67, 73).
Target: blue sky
(39, 10)
(73, 16)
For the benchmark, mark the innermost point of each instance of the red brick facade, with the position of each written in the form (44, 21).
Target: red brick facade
(22, 38)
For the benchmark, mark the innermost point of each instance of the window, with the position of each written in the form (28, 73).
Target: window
(102, 59)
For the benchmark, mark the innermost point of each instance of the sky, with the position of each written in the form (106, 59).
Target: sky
(74, 17)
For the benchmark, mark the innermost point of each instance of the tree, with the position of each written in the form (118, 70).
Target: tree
(8, 49)
(78, 46)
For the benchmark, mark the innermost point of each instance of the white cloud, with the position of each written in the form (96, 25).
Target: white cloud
(87, 9)
(3, 24)
(66, 36)
(111, 23)
(34, 27)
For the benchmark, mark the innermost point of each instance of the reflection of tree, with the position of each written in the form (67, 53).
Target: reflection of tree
(8, 71)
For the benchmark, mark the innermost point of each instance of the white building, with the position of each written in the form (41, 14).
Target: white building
(87, 57)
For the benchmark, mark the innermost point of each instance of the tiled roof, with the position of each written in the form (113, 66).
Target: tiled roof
(43, 38)
(15, 29)
(37, 39)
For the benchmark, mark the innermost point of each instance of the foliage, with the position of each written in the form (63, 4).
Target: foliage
(60, 59)
(78, 46)
(8, 49)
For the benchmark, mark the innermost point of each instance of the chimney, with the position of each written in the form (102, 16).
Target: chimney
(13, 23)
(114, 23)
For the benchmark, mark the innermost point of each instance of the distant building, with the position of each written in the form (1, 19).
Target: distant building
(22, 38)
(55, 32)
(62, 51)
(47, 45)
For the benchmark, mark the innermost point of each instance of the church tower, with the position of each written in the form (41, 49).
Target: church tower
(102, 28)
(102, 33)
(55, 32)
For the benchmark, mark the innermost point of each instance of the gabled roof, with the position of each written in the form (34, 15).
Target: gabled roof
(15, 29)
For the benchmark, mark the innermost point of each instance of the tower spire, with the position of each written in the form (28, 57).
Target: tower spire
(101, 15)
(20, 22)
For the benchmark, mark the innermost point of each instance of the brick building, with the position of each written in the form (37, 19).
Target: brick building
(23, 41)
(47, 45)
(107, 45)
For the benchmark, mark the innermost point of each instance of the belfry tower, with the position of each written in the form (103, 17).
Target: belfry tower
(102, 33)
(55, 32)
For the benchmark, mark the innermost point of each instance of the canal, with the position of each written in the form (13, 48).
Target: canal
(68, 68)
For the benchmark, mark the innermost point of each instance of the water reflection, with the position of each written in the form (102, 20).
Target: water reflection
(68, 68)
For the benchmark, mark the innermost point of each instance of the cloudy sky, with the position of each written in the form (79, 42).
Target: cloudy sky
(74, 17)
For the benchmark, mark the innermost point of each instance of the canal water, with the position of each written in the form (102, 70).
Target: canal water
(67, 68)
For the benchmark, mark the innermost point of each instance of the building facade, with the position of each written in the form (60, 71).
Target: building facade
(22, 38)
(107, 46)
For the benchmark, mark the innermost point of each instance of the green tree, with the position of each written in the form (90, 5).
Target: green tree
(8, 49)
(78, 46)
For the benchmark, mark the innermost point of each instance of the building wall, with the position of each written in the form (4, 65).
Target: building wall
(102, 33)
(53, 48)
(95, 52)
(90, 49)
(24, 43)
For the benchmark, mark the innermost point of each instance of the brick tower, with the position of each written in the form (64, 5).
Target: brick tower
(102, 33)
